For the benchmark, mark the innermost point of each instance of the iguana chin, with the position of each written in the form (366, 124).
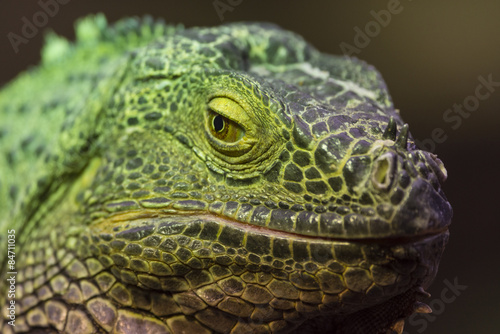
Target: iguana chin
(230, 179)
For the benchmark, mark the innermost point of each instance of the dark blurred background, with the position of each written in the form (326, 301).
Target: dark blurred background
(431, 54)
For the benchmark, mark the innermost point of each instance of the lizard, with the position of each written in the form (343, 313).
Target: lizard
(229, 179)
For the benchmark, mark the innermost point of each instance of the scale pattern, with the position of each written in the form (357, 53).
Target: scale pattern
(212, 180)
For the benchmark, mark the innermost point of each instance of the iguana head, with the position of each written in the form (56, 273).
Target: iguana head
(239, 166)
(284, 137)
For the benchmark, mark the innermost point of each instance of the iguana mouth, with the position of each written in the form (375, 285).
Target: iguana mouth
(298, 259)
(136, 216)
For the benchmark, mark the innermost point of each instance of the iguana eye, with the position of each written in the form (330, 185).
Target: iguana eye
(219, 124)
(221, 127)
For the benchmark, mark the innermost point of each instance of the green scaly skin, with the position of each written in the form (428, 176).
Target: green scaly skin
(211, 180)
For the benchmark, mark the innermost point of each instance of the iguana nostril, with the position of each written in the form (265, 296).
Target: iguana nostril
(383, 171)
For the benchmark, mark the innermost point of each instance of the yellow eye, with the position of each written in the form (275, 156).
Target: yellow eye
(220, 126)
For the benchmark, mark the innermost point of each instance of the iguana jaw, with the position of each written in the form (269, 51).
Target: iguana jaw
(206, 239)
(121, 218)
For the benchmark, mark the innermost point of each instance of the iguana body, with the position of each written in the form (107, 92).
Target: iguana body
(226, 180)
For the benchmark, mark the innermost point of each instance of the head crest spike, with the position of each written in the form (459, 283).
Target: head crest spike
(390, 130)
(397, 327)
(421, 292)
(420, 307)
(402, 140)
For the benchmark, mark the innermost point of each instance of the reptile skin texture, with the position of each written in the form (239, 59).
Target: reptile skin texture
(230, 179)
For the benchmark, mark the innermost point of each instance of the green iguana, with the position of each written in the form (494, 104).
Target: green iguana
(232, 179)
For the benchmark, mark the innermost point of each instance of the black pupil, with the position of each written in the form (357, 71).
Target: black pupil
(218, 123)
